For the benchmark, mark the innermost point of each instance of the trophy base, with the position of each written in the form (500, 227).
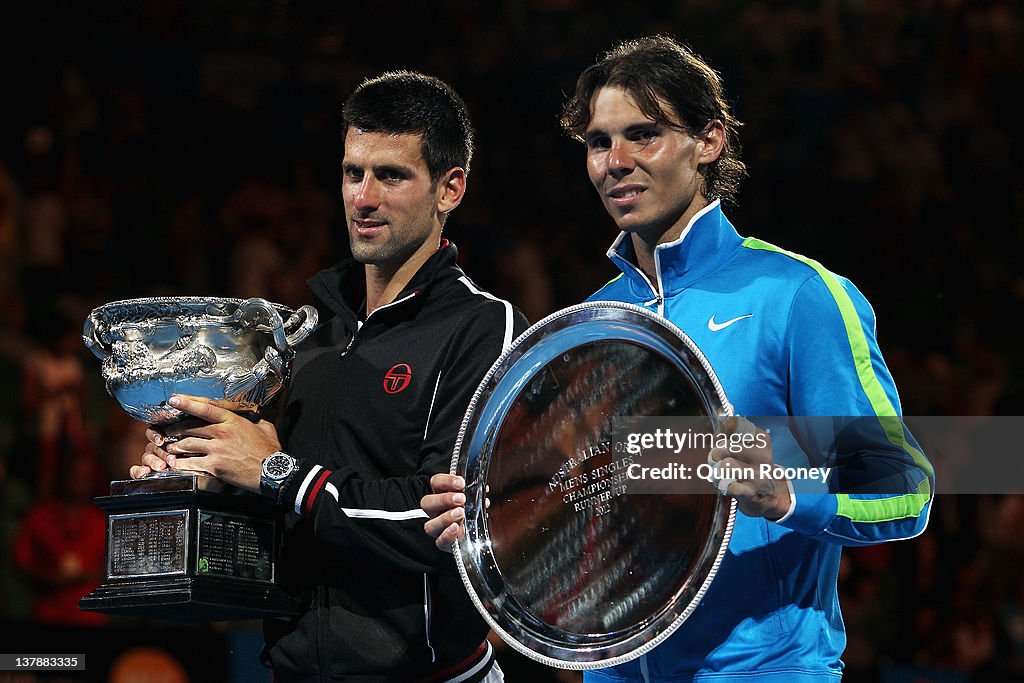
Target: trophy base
(187, 600)
(179, 551)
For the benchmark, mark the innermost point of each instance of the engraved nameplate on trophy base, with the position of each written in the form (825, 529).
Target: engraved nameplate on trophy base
(177, 552)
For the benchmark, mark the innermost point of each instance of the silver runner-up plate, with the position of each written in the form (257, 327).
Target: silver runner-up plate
(565, 561)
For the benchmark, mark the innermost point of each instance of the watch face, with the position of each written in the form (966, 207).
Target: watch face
(278, 466)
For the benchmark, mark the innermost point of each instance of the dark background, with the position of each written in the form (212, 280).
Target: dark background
(192, 147)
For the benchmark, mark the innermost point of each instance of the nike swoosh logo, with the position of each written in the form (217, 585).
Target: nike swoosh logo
(715, 327)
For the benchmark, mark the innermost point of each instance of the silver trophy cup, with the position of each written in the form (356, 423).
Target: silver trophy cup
(179, 548)
(202, 346)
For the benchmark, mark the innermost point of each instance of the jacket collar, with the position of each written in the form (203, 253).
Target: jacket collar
(706, 243)
(342, 287)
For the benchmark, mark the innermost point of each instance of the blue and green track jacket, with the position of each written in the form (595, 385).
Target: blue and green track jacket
(785, 337)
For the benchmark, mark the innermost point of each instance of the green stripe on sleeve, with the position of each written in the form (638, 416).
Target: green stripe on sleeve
(874, 509)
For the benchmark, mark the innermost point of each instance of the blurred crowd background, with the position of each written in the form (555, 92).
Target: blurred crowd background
(186, 147)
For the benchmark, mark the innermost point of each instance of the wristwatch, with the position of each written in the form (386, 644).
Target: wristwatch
(278, 467)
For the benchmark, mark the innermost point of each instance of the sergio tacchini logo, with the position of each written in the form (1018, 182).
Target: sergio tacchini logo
(397, 378)
(715, 327)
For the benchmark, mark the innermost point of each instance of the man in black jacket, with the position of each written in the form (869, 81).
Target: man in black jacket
(373, 409)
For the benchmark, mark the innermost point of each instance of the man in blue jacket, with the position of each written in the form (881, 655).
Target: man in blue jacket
(785, 336)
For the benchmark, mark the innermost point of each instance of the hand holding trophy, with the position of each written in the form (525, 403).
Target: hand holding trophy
(180, 545)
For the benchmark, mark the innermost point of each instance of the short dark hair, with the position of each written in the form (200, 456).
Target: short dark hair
(409, 102)
(655, 70)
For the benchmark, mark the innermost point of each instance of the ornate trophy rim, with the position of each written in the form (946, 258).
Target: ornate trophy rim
(193, 304)
(477, 565)
(185, 298)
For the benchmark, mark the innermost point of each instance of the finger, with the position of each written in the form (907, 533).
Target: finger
(730, 424)
(448, 537)
(745, 441)
(157, 459)
(436, 526)
(196, 428)
(183, 427)
(723, 471)
(453, 533)
(726, 428)
(737, 424)
(442, 482)
(154, 436)
(247, 409)
(139, 471)
(201, 408)
(189, 446)
(738, 468)
(724, 455)
(437, 503)
(745, 426)
(741, 490)
(194, 464)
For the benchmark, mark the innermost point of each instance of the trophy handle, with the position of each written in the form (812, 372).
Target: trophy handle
(91, 337)
(305, 317)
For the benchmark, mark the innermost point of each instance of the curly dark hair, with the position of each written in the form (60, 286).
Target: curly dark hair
(671, 85)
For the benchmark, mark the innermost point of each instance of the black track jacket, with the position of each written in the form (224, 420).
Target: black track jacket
(372, 411)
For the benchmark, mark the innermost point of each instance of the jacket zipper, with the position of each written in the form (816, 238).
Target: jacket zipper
(359, 325)
(659, 294)
(351, 340)
(426, 617)
(658, 301)
(322, 622)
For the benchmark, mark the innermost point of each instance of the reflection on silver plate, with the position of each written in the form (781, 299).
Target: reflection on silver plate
(563, 565)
